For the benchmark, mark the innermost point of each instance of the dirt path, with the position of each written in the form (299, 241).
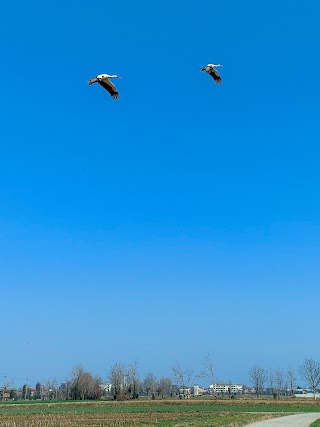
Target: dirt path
(298, 420)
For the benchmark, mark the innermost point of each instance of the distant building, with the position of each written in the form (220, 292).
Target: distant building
(197, 390)
(106, 388)
(248, 390)
(225, 389)
(184, 392)
(4, 395)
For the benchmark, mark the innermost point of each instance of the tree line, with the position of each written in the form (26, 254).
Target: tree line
(124, 382)
(282, 383)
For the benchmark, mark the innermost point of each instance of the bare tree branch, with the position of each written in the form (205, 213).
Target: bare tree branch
(258, 377)
(208, 366)
(310, 372)
(291, 381)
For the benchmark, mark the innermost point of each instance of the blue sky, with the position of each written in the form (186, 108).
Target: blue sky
(182, 219)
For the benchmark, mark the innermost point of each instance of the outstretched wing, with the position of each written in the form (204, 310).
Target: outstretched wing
(110, 87)
(94, 80)
(215, 75)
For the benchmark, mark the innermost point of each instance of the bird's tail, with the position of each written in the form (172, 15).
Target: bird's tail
(94, 80)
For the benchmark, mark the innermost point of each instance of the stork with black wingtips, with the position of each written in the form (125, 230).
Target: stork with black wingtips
(210, 69)
(103, 80)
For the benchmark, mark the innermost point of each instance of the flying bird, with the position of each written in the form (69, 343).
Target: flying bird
(210, 69)
(103, 80)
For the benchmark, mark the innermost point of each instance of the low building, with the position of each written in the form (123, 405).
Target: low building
(4, 394)
(184, 392)
(106, 388)
(229, 389)
(197, 390)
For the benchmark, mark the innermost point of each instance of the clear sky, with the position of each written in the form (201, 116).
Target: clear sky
(180, 220)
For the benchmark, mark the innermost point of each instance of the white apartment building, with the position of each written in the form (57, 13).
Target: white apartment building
(225, 388)
(197, 390)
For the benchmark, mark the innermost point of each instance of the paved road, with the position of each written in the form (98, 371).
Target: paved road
(298, 420)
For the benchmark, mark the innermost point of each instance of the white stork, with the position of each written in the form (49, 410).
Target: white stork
(103, 80)
(210, 69)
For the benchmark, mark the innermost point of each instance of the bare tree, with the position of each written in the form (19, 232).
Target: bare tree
(134, 382)
(208, 368)
(84, 385)
(310, 372)
(150, 384)
(178, 374)
(291, 381)
(190, 377)
(165, 386)
(179, 377)
(64, 390)
(184, 378)
(117, 378)
(279, 381)
(51, 387)
(271, 383)
(258, 377)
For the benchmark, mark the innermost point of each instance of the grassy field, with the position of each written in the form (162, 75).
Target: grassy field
(316, 424)
(166, 413)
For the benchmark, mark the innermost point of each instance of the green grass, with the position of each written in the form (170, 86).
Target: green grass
(143, 413)
(170, 406)
(316, 423)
